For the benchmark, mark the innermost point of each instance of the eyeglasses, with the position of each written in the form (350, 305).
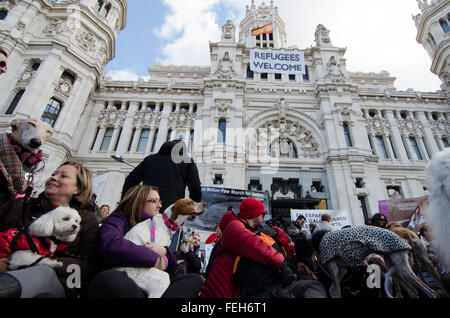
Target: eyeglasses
(2, 64)
(154, 201)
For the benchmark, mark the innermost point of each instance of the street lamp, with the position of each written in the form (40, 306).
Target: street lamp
(121, 160)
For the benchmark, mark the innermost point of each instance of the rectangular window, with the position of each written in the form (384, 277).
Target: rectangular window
(364, 207)
(95, 139)
(15, 102)
(348, 138)
(415, 148)
(381, 147)
(143, 140)
(250, 73)
(131, 140)
(107, 139)
(169, 135)
(154, 140)
(278, 77)
(222, 136)
(306, 75)
(51, 112)
(118, 139)
(445, 142)
(292, 77)
(264, 76)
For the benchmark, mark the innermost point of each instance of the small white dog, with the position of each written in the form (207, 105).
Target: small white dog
(63, 223)
(438, 177)
(153, 280)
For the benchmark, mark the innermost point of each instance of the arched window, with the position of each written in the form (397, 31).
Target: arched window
(107, 9)
(99, 5)
(222, 136)
(52, 111)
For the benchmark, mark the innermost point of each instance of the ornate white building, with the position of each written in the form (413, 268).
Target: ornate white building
(331, 138)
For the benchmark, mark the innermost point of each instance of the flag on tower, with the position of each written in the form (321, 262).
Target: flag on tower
(263, 30)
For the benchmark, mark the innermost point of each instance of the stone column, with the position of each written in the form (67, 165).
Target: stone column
(397, 143)
(99, 140)
(163, 126)
(127, 129)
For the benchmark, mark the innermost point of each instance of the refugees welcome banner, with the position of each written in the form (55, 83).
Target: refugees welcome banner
(277, 61)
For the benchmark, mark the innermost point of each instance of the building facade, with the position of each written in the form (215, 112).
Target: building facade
(329, 139)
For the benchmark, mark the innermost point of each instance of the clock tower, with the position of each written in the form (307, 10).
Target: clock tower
(257, 17)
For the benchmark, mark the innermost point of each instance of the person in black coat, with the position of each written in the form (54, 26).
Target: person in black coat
(171, 170)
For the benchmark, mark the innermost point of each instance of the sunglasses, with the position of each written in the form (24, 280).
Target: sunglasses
(154, 201)
(2, 64)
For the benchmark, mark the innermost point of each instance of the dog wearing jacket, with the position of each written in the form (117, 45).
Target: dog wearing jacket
(153, 280)
(48, 233)
(19, 153)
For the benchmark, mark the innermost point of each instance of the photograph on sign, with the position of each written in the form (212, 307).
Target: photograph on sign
(277, 61)
(219, 200)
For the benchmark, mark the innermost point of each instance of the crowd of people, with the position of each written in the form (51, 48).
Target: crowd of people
(250, 259)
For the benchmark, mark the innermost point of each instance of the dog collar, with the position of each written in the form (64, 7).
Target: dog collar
(169, 223)
(27, 157)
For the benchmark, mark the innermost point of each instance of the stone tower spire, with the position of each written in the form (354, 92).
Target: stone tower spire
(260, 16)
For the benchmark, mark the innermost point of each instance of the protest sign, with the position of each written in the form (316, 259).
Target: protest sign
(410, 213)
(339, 218)
(277, 61)
(218, 201)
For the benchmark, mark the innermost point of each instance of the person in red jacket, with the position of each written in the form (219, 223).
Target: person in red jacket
(240, 240)
(213, 238)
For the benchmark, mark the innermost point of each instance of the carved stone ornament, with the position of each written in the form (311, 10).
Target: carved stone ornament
(64, 86)
(334, 71)
(229, 32)
(225, 69)
(112, 117)
(147, 118)
(379, 126)
(182, 119)
(86, 40)
(410, 127)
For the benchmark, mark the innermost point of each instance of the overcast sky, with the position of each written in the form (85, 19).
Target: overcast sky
(378, 34)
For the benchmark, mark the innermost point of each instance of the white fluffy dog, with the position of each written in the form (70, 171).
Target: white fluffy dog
(63, 223)
(439, 203)
(153, 280)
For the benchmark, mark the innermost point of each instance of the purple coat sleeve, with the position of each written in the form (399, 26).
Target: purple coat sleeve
(115, 250)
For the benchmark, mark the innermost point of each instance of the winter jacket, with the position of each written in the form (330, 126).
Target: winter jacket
(42, 244)
(238, 239)
(171, 178)
(16, 215)
(114, 250)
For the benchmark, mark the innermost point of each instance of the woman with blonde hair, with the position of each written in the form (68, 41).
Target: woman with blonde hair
(69, 185)
(140, 203)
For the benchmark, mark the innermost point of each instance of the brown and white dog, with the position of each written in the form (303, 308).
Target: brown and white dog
(418, 250)
(153, 280)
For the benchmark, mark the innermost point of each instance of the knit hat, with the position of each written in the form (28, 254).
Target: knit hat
(251, 208)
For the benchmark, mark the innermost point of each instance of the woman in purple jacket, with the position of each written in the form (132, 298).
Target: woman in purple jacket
(140, 203)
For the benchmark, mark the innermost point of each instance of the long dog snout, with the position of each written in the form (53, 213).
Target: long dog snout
(35, 143)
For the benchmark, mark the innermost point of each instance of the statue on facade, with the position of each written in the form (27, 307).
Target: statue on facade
(322, 36)
(229, 32)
